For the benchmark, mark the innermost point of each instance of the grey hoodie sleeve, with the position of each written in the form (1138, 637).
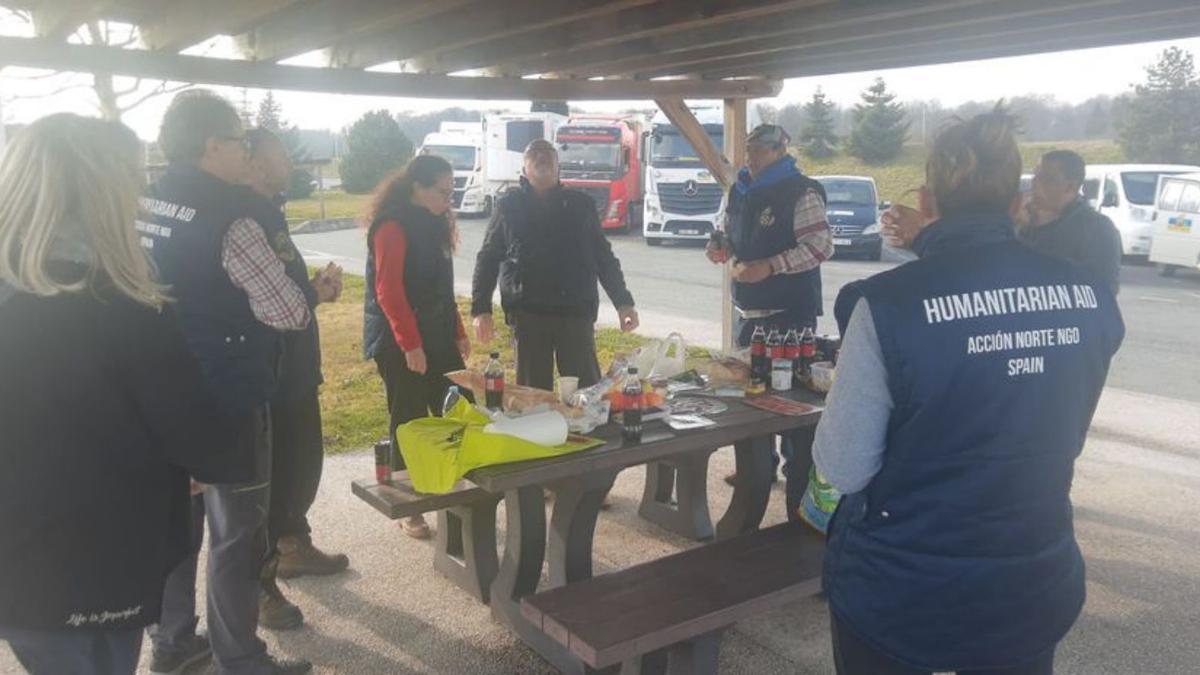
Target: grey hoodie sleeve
(852, 434)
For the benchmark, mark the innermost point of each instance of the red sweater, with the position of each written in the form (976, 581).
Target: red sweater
(391, 250)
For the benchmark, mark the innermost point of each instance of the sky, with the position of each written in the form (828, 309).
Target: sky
(1068, 76)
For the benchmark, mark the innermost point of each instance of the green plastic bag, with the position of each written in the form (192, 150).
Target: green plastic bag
(439, 451)
(820, 501)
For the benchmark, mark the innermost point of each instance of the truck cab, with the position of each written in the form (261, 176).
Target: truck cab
(461, 144)
(852, 211)
(601, 156)
(683, 199)
(1126, 194)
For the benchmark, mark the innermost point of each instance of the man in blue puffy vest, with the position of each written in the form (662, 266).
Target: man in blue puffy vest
(966, 385)
(232, 300)
(778, 238)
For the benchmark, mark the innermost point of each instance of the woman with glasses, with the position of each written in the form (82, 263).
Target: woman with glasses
(103, 409)
(412, 327)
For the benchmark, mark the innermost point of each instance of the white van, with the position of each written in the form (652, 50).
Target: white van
(1176, 239)
(1125, 193)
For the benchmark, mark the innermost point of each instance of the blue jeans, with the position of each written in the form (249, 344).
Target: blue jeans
(75, 652)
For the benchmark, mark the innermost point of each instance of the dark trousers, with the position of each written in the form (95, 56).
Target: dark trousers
(77, 652)
(795, 475)
(410, 395)
(297, 457)
(237, 550)
(853, 656)
(544, 339)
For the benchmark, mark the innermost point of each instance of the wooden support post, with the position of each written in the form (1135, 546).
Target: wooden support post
(735, 150)
(690, 128)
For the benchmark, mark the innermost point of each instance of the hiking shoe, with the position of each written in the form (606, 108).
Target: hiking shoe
(194, 650)
(298, 558)
(275, 612)
(416, 527)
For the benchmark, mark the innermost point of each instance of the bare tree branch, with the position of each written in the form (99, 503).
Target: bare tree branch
(162, 90)
(54, 92)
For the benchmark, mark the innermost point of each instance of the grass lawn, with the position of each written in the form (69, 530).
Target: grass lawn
(354, 409)
(338, 204)
(908, 171)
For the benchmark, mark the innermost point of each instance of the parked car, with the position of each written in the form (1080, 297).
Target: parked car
(852, 209)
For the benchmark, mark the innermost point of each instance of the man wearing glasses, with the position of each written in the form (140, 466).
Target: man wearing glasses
(232, 301)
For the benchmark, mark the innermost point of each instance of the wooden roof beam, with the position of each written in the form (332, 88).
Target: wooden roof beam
(1017, 17)
(328, 22)
(676, 110)
(158, 65)
(491, 20)
(1171, 26)
(59, 19)
(186, 23)
(506, 22)
(624, 27)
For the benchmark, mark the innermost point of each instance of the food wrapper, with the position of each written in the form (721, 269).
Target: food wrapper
(724, 371)
(517, 398)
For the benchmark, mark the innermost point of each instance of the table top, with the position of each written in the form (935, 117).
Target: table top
(740, 422)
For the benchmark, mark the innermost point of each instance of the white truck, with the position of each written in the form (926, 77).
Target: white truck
(461, 143)
(505, 137)
(683, 199)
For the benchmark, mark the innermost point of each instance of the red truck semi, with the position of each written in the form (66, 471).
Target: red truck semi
(601, 156)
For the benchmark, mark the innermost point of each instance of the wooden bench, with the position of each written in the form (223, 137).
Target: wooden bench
(668, 615)
(466, 528)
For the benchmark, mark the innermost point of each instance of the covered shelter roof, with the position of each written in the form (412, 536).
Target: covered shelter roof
(573, 49)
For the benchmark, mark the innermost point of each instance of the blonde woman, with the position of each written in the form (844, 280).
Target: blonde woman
(101, 413)
(966, 385)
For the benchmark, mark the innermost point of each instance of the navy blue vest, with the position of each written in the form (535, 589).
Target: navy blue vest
(191, 211)
(761, 225)
(300, 366)
(960, 554)
(428, 284)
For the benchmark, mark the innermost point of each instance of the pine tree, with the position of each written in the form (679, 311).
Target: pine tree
(880, 126)
(270, 113)
(1162, 120)
(817, 137)
(376, 146)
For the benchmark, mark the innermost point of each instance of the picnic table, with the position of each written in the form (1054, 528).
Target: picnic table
(466, 549)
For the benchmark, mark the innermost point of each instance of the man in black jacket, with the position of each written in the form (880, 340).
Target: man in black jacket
(546, 247)
(1064, 226)
(297, 445)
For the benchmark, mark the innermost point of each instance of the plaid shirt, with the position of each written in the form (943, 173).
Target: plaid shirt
(254, 267)
(814, 243)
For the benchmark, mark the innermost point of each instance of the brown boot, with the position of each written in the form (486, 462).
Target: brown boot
(416, 527)
(298, 557)
(275, 612)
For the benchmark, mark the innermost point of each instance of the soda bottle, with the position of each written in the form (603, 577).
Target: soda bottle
(493, 383)
(720, 243)
(631, 417)
(453, 396)
(808, 354)
(775, 344)
(791, 351)
(760, 364)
